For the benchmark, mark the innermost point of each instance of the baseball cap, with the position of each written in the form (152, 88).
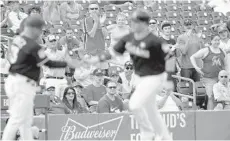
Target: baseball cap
(77, 84)
(98, 72)
(50, 87)
(128, 63)
(165, 24)
(222, 28)
(187, 22)
(51, 37)
(35, 20)
(153, 21)
(140, 15)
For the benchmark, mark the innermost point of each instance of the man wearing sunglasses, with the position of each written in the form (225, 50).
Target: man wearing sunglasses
(221, 90)
(153, 27)
(110, 103)
(148, 55)
(95, 31)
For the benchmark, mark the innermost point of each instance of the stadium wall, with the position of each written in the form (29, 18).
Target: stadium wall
(199, 125)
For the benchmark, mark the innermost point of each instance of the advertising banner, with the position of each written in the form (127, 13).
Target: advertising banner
(114, 126)
(212, 125)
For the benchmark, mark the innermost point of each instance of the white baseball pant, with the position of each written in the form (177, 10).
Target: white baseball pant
(143, 106)
(21, 92)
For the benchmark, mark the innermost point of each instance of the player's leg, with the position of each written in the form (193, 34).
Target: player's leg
(21, 109)
(141, 96)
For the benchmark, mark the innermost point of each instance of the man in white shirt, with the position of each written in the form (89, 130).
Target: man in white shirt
(55, 76)
(221, 90)
(15, 16)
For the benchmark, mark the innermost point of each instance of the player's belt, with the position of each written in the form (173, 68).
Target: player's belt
(52, 77)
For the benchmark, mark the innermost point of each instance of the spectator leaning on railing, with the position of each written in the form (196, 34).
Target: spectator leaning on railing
(213, 62)
(221, 91)
(188, 44)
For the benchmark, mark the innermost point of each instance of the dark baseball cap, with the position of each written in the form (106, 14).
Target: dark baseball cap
(165, 24)
(128, 63)
(35, 21)
(188, 22)
(98, 72)
(77, 84)
(140, 15)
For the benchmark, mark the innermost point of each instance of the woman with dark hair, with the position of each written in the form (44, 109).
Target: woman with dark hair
(70, 100)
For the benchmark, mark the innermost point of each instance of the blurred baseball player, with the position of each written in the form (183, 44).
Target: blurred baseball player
(25, 57)
(148, 54)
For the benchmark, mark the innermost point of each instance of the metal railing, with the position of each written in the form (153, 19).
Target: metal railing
(194, 94)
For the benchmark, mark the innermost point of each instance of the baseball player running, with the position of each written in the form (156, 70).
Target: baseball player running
(26, 57)
(148, 54)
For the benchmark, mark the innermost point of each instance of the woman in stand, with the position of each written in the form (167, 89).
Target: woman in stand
(70, 100)
(213, 62)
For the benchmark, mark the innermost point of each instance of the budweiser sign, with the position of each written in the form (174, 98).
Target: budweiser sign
(106, 130)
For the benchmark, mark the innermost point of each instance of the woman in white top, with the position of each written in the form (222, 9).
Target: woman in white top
(117, 31)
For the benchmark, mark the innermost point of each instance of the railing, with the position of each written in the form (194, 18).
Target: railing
(193, 89)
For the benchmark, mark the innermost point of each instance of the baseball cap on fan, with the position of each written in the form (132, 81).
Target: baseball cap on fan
(51, 38)
(140, 15)
(98, 72)
(188, 22)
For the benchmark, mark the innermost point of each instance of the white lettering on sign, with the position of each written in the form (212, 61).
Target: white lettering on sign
(172, 120)
(134, 124)
(135, 137)
(74, 130)
(6, 102)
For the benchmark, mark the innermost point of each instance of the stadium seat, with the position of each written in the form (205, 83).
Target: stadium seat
(188, 15)
(110, 8)
(216, 15)
(171, 8)
(184, 88)
(127, 7)
(111, 14)
(109, 22)
(202, 22)
(172, 16)
(203, 15)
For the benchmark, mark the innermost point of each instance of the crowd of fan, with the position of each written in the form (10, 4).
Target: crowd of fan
(106, 87)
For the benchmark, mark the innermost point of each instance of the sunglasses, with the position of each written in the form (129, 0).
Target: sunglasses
(152, 23)
(112, 87)
(52, 41)
(93, 8)
(223, 76)
(129, 68)
(71, 93)
(222, 31)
